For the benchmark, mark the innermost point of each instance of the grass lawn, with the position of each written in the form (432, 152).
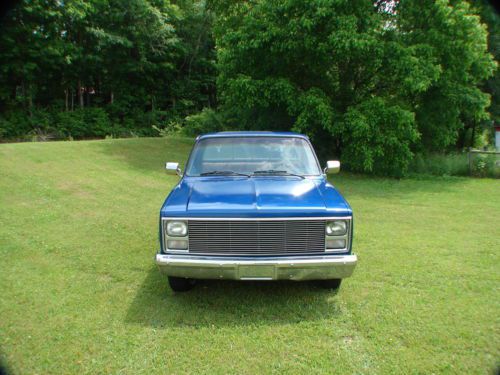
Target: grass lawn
(80, 292)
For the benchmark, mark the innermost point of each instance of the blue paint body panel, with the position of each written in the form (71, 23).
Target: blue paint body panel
(256, 196)
(252, 134)
(269, 196)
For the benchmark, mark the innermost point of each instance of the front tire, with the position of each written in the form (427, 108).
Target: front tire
(332, 284)
(181, 284)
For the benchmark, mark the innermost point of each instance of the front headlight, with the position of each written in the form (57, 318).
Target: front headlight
(177, 228)
(336, 228)
(177, 244)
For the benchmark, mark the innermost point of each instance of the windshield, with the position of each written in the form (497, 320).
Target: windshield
(253, 156)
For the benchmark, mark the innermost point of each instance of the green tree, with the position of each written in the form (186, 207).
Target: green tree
(491, 18)
(29, 49)
(144, 62)
(359, 77)
(456, 44)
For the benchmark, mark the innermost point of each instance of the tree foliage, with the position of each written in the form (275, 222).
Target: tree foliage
(458, 45)
(491, 19)
(369, 82)
(145, 62)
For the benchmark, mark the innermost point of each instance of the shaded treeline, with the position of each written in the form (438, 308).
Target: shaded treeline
(371, 81)
(99, 67)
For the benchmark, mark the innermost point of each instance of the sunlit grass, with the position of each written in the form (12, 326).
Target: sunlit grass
(80, 292)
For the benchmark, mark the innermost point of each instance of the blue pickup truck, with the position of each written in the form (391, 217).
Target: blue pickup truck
(255, 206)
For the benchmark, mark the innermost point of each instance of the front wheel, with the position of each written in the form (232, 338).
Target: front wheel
(330, 284)
(181, 284)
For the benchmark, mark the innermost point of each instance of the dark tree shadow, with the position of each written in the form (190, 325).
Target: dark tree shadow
(4, 369)
(229, 303)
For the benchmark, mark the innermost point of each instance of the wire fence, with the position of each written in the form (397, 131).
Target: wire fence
(484, 163)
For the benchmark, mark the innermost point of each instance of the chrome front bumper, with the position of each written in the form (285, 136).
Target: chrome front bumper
(282, 268)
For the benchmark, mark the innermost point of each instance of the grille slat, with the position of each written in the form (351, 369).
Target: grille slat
(249, 237)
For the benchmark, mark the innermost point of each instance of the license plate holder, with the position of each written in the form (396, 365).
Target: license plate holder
(257, 272)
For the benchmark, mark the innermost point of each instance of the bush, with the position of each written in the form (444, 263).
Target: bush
(19, 125)
(171, 128)
(440, 164)
(14, 124)
(455, 164)
(89, 122)
(84, 123)
(207, 121)
(485, 165)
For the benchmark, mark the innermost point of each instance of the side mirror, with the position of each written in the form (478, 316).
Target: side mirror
(173, 168)
(332, 166)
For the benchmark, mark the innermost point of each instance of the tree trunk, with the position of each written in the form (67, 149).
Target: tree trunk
(473, 135)
(30, 101)
(66, 99)
(72, 100)
(23, 93)
(462, 138)
(80, 93)
(112, 97)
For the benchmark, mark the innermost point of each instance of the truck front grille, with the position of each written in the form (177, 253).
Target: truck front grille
(256, 237)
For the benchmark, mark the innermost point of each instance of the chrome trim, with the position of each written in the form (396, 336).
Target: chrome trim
(283, 268)
(257, 238)
(346, 237)
(326, 218)
(174, 251)
(173, 167)
(165, 236)
(259, 218)
(332, 166)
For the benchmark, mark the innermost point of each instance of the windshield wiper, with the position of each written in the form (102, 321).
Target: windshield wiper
(276, 172)
(223, 173)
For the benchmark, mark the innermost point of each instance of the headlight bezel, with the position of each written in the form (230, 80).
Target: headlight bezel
(338, 223)
(179, 223)
(341, 238)
(169, 237)
(184, 236)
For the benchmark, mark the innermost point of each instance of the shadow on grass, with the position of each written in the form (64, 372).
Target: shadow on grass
(229, 303)
(4, 369)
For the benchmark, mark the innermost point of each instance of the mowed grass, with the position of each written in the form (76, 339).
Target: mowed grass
(80, 292)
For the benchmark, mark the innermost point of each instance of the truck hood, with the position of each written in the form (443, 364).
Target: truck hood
(269, 196)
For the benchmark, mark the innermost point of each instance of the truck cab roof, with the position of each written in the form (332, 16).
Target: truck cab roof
(251, 134)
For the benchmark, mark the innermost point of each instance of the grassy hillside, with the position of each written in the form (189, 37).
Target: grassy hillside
(80, 292)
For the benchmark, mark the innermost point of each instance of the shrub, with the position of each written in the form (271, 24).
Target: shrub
(485, 165)
(172, 128)
(20, 125)
(14, 124)
(10, 126)
(440, 164)
(83, 123)
(206, 121)
(455, 164)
